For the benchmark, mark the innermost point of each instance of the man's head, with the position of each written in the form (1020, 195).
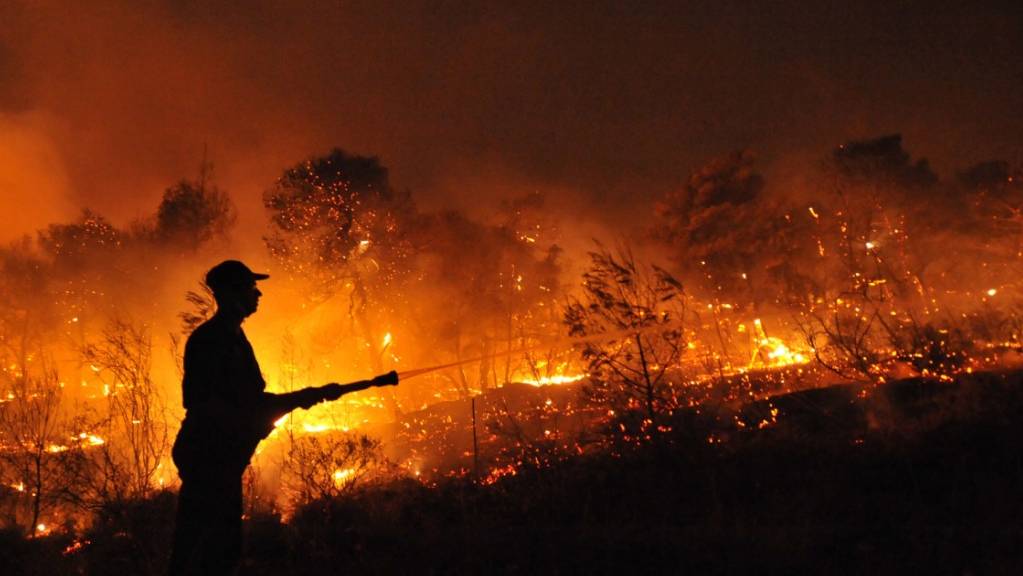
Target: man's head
(234, 287)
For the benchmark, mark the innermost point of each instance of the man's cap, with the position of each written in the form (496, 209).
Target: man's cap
(231, 274)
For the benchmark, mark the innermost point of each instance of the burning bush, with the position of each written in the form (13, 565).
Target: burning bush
(39, 454)
(326, 465)
(631, 316)
(134, 418)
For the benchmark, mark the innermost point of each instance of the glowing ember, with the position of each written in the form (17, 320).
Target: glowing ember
(553, 380)
(343, 476)
(776, 353)
(76, 546)
(772, 352)
(500, 472)
(91, 439)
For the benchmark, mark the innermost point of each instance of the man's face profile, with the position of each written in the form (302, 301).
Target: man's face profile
(242, 298)
(248, 298)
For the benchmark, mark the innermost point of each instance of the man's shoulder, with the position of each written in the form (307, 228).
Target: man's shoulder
(211, 330)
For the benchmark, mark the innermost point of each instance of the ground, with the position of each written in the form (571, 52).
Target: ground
(912, 477)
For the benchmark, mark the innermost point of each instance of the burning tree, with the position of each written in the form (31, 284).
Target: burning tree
(994, 191)
(76, 244)
(712, 223)
(493, 288)
(530, 219)
(78, 258)
(632, 317)
(134, 421)
(39, 453)
(337, 222)
(39, 456)
(193, 213)
(741, 250)
(874, 309)
(728, 237)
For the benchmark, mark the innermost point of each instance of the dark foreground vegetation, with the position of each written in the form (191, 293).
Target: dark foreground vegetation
(916, 477)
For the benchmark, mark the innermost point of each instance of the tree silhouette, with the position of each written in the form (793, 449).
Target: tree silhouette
(729, 240)
(39, 455)
(995, 194)
(135, 419)
(76, 244)
(192, 213)
(337, 219)
(337, 222)
(490, 283)
(632, 316)
(881, 160)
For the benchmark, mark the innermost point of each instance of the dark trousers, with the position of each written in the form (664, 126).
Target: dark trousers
(208, 531)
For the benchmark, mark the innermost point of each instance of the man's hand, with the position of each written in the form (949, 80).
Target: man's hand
(332, 391)
(389, 379)
(309, 397)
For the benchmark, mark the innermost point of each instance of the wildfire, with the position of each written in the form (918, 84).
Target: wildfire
(774, 353)
(76, 546)
(499, 472)
(91, 439)
(314, 428)
(553, 380)
(723, 351)
(311, 424)
(343, 476)
(545, 373)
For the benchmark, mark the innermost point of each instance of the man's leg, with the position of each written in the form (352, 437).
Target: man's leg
(223, 540)
(207, 536)
(188, 528)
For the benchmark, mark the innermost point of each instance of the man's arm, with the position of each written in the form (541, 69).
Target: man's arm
(277, 405)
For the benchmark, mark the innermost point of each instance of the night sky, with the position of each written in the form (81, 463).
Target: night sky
(594, 103)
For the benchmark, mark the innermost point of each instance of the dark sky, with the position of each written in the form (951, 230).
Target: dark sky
(600, 104)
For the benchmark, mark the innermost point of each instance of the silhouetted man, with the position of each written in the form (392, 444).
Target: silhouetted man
(227, 414)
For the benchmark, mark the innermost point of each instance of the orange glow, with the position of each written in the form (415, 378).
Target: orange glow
(553, 380)
(343, 476)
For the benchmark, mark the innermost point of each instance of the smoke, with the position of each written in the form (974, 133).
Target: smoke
(600, 108)
(34, 187)
(613, 103)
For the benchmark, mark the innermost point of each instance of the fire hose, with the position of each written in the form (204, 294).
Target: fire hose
(573, 340)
